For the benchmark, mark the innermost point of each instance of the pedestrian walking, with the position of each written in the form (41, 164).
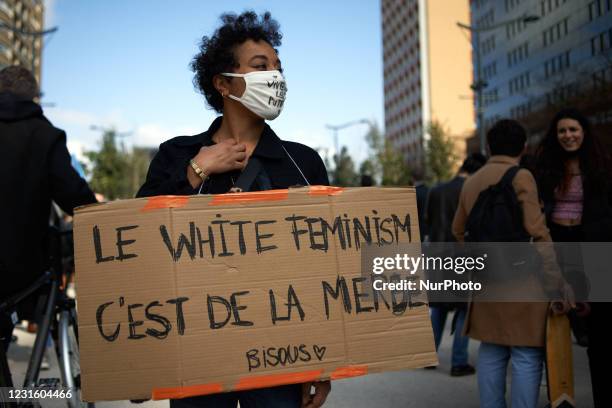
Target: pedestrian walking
(35, 169)
(440, 210)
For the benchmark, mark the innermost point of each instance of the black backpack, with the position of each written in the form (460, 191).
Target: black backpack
(497, 215)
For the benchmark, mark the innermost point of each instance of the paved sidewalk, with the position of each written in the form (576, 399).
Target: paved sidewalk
(406, 389)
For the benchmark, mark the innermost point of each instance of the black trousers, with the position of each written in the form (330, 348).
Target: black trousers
(285, 396)
(6, 330)
(596, 324)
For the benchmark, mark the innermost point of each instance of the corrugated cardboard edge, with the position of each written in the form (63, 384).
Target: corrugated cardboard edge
(262, 381)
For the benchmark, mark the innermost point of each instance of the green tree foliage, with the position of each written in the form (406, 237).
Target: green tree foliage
(344, 174)
(386, 163)
(367, 167)
(116, 172)
(109, 167)
(440, 154)
(138, 163)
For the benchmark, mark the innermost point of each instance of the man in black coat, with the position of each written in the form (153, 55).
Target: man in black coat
(34, 169)
(422, 192)
(439, 213)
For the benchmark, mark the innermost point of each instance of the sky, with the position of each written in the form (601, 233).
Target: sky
(125, 64)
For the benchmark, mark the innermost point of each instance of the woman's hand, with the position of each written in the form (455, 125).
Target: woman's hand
(220, 158)
(317, 399)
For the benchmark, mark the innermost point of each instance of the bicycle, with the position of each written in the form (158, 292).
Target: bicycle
(59, 320)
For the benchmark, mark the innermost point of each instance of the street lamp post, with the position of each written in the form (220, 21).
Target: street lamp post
(105, 129)
(336, 128)
(33, 34)
(479, 83)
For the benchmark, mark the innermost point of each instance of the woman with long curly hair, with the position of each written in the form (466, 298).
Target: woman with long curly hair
(574, 178)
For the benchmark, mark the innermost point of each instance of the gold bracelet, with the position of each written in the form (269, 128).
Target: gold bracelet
(198, 170)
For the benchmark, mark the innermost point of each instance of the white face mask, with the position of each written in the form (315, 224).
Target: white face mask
(264, 94)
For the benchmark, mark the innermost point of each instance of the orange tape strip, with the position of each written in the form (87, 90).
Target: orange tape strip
(250, 197)
(348, 371)
(325, 190)
(158, 202)
(264, 381)
(187, 391)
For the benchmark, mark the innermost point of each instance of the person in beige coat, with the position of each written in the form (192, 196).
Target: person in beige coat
(510, 331)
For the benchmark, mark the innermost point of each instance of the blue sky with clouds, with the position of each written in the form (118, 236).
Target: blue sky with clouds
(126, 64)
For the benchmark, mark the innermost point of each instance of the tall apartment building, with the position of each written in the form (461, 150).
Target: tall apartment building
(427, 73)
(533, 69)
(17, 18)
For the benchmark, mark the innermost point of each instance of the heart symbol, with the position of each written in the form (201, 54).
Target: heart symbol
(319, 351)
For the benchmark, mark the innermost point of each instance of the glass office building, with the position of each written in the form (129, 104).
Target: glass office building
(562, 57)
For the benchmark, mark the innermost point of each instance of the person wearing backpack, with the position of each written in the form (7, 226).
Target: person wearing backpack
(512, 331)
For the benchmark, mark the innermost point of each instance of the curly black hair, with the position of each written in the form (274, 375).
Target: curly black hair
(217, 52)
(595, 163)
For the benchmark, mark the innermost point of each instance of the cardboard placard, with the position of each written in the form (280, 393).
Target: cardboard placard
(183, 296)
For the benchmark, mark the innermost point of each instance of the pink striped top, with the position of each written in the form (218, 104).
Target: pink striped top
(568, 206)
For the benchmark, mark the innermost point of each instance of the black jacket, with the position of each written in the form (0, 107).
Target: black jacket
(168, 171)
(442, 204)
(34, 169)
(421, 196)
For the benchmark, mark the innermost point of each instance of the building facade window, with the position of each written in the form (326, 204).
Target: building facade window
(555, 32)
(547, 6)
(557, 64)
(561, 94)
(510, 4)
(519, 83)
(601, 42)
(486, 19)
(515, 28)
(518, 54)
(487, 45)
(520, 111)
(489, 71)
(598, 8)
(490, 97)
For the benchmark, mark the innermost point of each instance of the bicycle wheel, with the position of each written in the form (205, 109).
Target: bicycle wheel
(69, 358)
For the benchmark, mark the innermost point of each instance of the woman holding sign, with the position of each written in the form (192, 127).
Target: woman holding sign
(239, 73)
